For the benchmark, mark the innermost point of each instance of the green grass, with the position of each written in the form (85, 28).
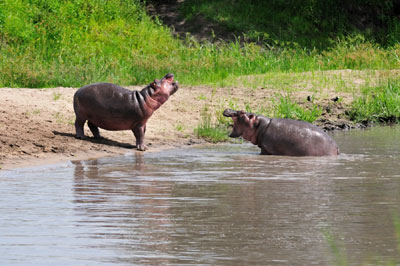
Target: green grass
(211, 131)
(287, 108)
(73, 43)
(378, 103)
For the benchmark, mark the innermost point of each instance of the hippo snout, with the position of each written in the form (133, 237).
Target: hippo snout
(229, 113)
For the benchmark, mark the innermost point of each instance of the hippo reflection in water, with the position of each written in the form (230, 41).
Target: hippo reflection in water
(276, 136)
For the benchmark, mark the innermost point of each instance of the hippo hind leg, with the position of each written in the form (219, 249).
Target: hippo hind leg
(79, 123)
(95, 130)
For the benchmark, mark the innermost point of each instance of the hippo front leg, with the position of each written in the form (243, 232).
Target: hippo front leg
(139, 131)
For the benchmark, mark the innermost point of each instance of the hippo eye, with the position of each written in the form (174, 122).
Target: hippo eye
(155, 85)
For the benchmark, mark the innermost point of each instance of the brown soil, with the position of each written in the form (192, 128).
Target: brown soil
(36, 125)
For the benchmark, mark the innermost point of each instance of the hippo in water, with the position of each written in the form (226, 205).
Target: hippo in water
(111, 107)
(277, 136)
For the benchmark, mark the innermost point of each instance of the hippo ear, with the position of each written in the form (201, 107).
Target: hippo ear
(253, 120)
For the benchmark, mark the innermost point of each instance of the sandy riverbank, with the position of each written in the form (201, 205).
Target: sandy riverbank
(36, 125)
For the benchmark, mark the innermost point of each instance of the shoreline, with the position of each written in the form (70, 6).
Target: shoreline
(51, 159)
(37, 125)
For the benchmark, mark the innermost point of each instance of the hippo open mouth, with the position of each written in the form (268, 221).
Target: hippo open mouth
(231, 113)
(170, 78)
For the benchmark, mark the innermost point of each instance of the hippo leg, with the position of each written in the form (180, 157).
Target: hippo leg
(95, 130)
(79, 123)
(139, 131)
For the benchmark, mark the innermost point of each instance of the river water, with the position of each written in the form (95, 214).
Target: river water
(218, 205)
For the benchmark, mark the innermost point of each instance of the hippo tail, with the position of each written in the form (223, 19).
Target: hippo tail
(76, 103)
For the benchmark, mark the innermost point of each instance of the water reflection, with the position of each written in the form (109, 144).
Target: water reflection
(222, 204)
(123, 210)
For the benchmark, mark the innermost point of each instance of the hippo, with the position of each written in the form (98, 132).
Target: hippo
(111, 107)
(277, 136)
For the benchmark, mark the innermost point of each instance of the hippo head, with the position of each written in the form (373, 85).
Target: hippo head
(244, 124)
(164, 88)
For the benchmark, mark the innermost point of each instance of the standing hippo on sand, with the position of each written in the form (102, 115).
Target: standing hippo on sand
(281, 136)
(111, 107)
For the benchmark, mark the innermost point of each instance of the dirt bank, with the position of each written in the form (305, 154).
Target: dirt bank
(36, 125)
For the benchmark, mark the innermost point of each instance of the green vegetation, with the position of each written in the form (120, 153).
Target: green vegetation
(210, 130)
(286, 108)
(180, 127)
(75, 42)
(309, 23)
(378, 103)
(71, 43)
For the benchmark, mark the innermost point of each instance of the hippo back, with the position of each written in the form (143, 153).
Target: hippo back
(112, 107)
(279, 136)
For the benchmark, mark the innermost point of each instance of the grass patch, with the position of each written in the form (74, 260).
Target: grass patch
(287, 108)
(180, 127)
(378, 103)
(209, 130)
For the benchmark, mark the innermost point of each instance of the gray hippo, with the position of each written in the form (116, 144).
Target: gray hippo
(276, 136)
(111, 107)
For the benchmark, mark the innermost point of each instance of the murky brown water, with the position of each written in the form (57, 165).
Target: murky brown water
(214, 205)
